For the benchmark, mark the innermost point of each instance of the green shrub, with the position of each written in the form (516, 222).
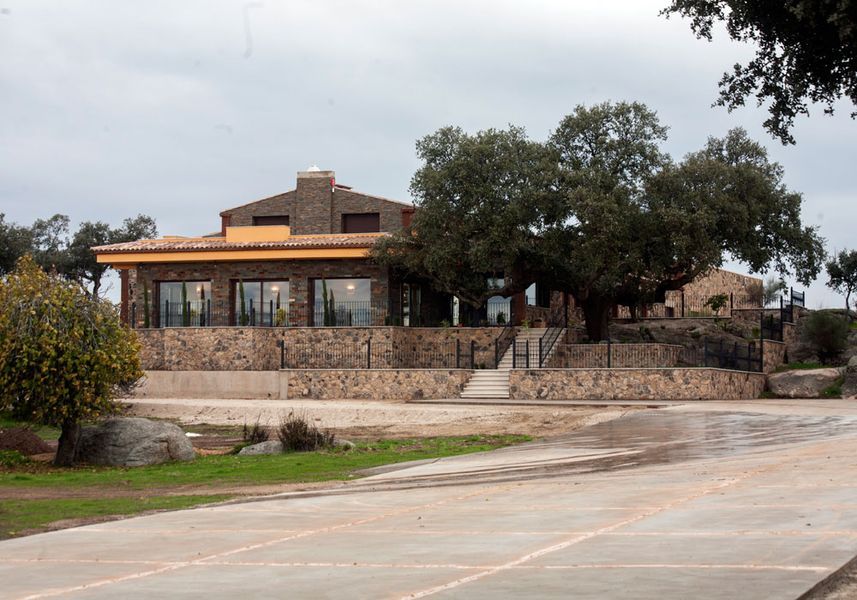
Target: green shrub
(717, 302)
(12, 458)
(826, 334)
(297, 434)
(833, 391)
(255, 434)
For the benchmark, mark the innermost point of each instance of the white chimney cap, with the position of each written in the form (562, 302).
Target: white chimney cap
(313, 169)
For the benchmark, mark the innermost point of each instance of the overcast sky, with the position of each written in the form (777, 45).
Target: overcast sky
(179, 109)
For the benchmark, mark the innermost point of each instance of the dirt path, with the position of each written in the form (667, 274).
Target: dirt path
(363, 419)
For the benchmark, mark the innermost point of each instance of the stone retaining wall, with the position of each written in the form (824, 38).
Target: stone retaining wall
(594, 356)
(376, 384)
(635, 384)
(255, 348)
(773, 355)
(316, 384)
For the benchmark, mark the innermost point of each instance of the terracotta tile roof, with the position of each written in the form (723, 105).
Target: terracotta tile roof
(177, 244)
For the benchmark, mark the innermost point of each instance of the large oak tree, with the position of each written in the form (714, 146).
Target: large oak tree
(599, 211)
(806, 52)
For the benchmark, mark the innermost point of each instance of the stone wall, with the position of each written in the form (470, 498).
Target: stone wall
(376, 384)
(719, 281)
(634, 384)
(255, 348)
(281, 204)
(224, 277)
(323, 384)
(773, 355)
(314, 207)
(350, 202)
(594, 356)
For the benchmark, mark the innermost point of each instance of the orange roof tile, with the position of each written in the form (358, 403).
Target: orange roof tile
(336, 240)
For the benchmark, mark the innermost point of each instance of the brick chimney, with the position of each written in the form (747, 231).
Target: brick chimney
(314, 202)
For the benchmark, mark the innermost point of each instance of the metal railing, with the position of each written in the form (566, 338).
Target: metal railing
(502, 343)
(377, 355)
(736, 357)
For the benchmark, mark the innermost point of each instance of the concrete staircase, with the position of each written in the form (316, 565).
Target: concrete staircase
(494, 383)
(487, 383)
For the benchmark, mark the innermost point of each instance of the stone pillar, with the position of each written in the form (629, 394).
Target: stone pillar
(314, 203)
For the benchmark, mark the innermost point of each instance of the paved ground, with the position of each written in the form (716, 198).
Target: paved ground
(700, 501)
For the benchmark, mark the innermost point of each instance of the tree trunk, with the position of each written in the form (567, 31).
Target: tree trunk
(69, 436)
(596, 312)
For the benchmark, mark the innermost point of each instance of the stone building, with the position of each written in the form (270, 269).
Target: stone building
(295, 259)
(300, 258)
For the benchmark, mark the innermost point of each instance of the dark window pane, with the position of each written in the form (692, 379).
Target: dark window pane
(361, 223)
(271, 220)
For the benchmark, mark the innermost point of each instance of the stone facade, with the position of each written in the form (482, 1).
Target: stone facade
(719, 281)
(351, 202)
(773, 355)
(224, 277)
(594, 356)
(316, 207)
(256, 349)
(376, 384)
(281, 204)
(321, 384)
(635, 384)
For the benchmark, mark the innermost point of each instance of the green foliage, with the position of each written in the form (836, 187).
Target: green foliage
(185, 313)
(717, 302)
(298, 434)
(47, 241)
(501, 318)
(799, 366)
(325, 307)
(63, 355)
(332, 311)
(599, 210)
(231, 470)
(254, 434)
(842, 276)
(806, 53)
(833, 391)
(23, 515)
(243, 317)
(773, 287)
(826, 334)
(12, 458)
(483, 201)
(82, 264)
(15, 242)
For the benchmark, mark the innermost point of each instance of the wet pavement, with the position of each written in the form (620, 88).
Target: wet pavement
(716, 501)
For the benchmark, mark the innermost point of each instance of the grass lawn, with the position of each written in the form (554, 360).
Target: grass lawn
(46, 433)
(112, 491)
(799, 366)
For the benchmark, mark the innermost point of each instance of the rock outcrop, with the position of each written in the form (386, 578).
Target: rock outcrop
(808, 383)
(132, 442)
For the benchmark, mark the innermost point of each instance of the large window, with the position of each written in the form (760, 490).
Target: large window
(184, 303)
(411, 305)
(265, 303)
(498, 308)
(361, 223)
(271, 220)
(349, 302)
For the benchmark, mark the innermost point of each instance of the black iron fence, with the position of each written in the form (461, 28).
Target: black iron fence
(736, 356)
(256, 313)
(683, 305)
(378, 355)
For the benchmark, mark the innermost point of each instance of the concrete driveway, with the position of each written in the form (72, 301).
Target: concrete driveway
(718, 500)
